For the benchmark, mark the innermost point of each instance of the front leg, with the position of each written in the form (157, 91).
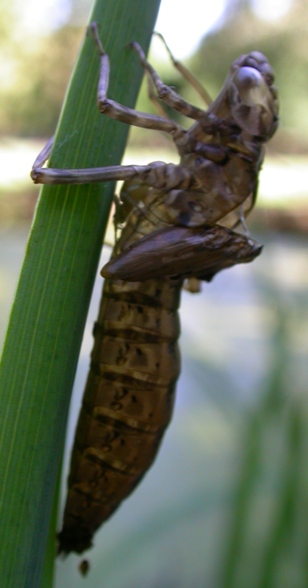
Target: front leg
(165, 93)
(187, 75)
(122, 113)
(119, 112)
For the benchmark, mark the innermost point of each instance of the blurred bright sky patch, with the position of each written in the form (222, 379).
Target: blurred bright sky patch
(182, 28)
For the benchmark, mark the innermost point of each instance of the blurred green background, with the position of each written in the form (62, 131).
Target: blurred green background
(226, 503)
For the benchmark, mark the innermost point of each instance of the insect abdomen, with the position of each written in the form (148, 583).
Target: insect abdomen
(127, 404)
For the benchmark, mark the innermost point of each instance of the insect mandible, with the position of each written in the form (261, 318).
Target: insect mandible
(178, 224)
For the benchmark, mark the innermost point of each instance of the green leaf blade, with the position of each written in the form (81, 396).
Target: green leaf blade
(45, 332)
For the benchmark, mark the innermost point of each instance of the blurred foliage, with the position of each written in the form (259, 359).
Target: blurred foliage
(30, 105)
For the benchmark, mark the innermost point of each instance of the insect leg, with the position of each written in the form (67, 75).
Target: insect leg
(187, 75)
(44, 155)
(113, 110)
(118, 111)
(154, 98)
(158, 174)
(165, 93)
(51, 175)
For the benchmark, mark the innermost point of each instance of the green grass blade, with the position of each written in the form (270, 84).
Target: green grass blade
(48, 315)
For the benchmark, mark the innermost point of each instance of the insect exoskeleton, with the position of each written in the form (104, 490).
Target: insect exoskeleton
(179, 224)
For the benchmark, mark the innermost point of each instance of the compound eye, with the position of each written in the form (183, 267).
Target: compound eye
(251, 86)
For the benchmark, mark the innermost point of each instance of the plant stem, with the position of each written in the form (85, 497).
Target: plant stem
(47, 320)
